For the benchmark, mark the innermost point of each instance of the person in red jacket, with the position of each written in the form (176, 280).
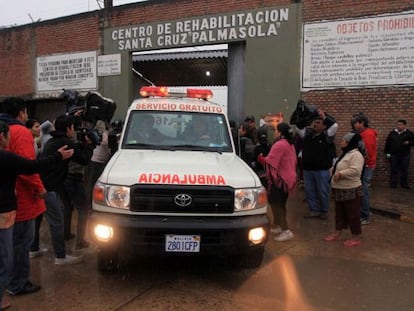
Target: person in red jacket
(360, 124)
(30, 193)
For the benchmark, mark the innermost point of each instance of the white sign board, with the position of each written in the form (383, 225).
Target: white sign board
(109, 65)
(359, 52)
(70, 71)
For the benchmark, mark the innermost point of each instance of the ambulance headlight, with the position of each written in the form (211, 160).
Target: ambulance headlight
(111, 195)
(249, 198)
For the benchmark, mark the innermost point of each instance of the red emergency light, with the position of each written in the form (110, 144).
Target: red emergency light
(147, 91)
(199, 93)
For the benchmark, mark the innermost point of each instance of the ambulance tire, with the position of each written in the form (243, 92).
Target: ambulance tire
(251, 260)
(108, 261)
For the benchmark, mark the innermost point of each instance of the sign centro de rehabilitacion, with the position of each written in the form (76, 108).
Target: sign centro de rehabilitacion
(229, 27)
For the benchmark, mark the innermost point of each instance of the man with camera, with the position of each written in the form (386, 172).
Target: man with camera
(54, 180)
(75, 185)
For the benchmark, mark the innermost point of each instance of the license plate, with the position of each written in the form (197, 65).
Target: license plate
(182, 243)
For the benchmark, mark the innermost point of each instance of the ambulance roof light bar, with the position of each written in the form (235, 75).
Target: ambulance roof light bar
(147, 91)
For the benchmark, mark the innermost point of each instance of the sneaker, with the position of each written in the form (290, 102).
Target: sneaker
(332, 237)
(38, 253)
(364, 221)
(69, 260)
(28, 288)
(284, 236)
(276, 230)
(351, 243)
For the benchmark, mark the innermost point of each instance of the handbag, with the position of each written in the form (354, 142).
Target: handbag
(341, 195)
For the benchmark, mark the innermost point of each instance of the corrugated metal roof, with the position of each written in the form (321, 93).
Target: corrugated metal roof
(183, 68)
(180, 55)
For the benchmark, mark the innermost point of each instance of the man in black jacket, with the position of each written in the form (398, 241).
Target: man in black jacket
(318, 154)
(397, 149)
(54, 181)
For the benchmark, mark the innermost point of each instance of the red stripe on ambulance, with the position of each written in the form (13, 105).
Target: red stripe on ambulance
(185, 179)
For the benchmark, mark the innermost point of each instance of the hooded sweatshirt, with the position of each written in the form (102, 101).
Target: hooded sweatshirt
(45, 129)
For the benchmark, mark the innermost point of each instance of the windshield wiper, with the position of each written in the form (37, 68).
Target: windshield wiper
(139, 145)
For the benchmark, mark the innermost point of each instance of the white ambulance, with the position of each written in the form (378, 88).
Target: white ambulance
(176, 186)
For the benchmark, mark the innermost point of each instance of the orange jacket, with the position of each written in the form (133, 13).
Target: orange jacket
(29, 206)
(369, 136)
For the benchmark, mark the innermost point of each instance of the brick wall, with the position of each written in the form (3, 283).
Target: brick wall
(383, 106)
(16, 62)
(72, 35)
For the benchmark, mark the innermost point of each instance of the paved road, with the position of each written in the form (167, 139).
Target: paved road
(302, 274)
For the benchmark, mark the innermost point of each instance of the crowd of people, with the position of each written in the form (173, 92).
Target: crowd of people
(48, 170)
(308, 154)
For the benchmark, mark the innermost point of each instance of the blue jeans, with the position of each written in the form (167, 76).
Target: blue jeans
(54, 216)
(317, 190)
(6, 258)
(36, 239)
(366, 181)
(23, 234)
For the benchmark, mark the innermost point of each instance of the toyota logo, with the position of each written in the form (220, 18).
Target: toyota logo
(183, 200)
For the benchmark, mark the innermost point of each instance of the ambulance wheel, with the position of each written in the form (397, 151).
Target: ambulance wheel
(253, 259)
(108, 261)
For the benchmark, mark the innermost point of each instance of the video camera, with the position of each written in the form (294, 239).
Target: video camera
(87, 110)
(83, 131)
(304, 114)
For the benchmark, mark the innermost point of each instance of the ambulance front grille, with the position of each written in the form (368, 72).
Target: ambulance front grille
(174, 199)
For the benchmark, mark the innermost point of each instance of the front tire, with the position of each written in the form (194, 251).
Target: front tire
(253, 259)
(108, 261)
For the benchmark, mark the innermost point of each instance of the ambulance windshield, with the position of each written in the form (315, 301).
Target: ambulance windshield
(177, 131)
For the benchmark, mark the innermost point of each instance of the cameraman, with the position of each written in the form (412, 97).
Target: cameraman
(101, 155)
(75, 183)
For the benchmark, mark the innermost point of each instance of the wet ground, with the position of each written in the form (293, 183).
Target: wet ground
(305, 273)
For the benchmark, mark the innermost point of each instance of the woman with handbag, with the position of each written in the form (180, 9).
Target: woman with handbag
(347, 190)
